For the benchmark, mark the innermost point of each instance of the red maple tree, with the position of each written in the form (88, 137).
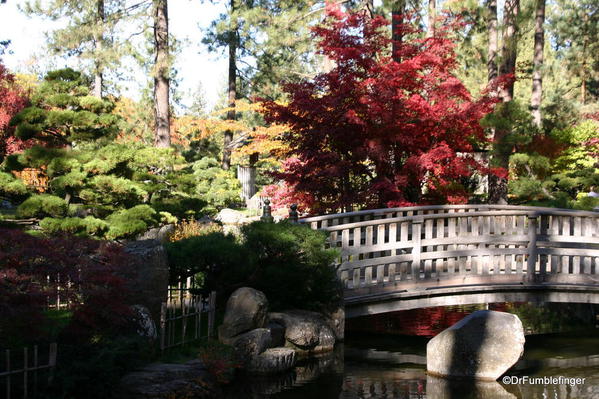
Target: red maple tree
(12, 100)
(378, 130)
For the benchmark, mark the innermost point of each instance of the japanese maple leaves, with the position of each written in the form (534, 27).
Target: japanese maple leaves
(378, 130)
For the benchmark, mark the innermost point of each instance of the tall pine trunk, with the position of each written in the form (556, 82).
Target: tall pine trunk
(162, 136)
(397, 19)
(98, 68)
(498, 189)
(537, 76)
(432, 15)
(232, 95)
(492, 71)
(492, 48)
(584, 76)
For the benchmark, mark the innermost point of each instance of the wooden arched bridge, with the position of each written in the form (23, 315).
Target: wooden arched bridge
(407, 258)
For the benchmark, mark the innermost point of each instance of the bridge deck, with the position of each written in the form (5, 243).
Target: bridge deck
(406, 258)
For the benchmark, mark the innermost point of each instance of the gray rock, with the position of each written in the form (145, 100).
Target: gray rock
(246, 310)
(300, 330)
(307, 332)
(251, 344)
(273, 360)
(147, 276)
(229, 216)
(277, 332)
(160, 234)
(161, 381)
(326, 340)
(336, 320)
(145, 324)
(483, 345)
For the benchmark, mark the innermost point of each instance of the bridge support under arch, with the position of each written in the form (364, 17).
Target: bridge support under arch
(464, 295)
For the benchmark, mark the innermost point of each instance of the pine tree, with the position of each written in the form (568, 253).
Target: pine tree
(498, 184)
(274, 35)
(63, 112)
(92, 33)
(162, 138)
(537, 79)
(575, 25)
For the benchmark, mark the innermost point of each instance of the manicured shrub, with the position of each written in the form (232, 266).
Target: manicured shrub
(88, 226)
(292, 266)
(216, 186)
(11, 187)
(288, 262)
(41, 205)
(215, 259)
(129, 222)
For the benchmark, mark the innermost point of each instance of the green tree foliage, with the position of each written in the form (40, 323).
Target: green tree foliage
(575, 26)
(274, 35)
(63, 112)
(94, 33)
(98, 187)
(42, 205)
(287, 262)
(218, 187)
(129, 187)
(561, 177)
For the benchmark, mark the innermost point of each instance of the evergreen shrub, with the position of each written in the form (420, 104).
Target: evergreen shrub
(288, 262)
(41, 205)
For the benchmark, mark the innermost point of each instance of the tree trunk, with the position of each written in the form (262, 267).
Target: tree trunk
(162, 136)
(397, 19)
(492, 49)
(583, 86)
(510, 45)
(226, 163)
(537, 76)
(98, 72)
(498, 189)
(368, 7)
(432, 15)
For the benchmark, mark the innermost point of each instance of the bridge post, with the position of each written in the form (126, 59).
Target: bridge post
(532, 246)
(416, 246)
(266, 212)
(293, 214)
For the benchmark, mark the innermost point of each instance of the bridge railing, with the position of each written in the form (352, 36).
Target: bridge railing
(463, 244)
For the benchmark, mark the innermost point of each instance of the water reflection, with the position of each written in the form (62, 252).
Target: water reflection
(395, 368)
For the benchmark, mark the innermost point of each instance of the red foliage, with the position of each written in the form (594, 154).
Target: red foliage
(12, 100)
(375, 132)
(34, 270)
(282, 195)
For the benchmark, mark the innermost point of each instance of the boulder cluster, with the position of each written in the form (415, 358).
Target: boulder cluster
(272, 342)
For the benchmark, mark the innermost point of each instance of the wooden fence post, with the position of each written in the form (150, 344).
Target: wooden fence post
(162, 326)
(532, 246)
(8, 373)
(211, 314)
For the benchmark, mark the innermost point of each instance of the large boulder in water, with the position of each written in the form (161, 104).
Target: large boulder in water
(252, 343)
(246, 310)
(483, 345)
(307, 332)
(273, 360)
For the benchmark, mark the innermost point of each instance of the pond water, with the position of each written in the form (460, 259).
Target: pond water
(394, 367)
